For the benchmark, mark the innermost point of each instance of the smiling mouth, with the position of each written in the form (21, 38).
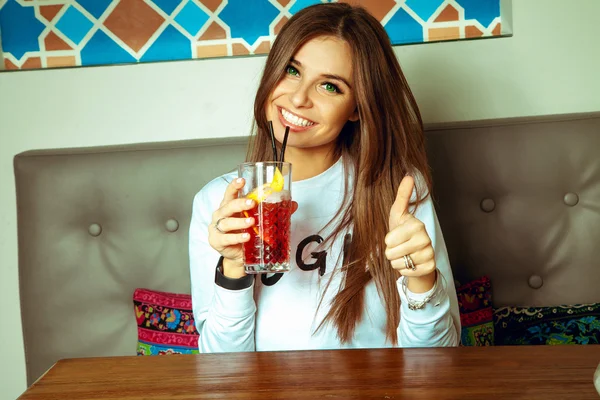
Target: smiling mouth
(295, 120)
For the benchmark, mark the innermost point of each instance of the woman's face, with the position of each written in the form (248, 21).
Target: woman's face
(315, 98)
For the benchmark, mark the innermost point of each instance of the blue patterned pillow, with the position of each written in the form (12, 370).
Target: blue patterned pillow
(576, 324)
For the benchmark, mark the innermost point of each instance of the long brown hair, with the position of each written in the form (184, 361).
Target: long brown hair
(382, 147)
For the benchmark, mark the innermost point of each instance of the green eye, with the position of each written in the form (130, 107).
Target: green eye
(330, 87)
(291, 70)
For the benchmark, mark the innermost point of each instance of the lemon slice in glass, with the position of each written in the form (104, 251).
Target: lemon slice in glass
(277, 184)
(262, 192)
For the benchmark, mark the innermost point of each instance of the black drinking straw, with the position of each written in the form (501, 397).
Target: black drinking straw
(287, 132)
(273, 140)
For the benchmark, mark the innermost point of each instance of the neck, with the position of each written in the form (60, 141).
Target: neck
(308, 163)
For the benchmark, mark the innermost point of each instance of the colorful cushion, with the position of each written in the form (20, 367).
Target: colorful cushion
(476, 312)
(165, 323)
(576, 324)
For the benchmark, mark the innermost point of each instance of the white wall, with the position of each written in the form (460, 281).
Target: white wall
(550, 66)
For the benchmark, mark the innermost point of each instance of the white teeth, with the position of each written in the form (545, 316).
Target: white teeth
(294, 119)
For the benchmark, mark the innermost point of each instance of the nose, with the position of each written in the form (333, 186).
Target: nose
(300, 97)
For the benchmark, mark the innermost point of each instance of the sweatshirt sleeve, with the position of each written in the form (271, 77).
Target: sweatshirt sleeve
(224, 318)
(438, 323)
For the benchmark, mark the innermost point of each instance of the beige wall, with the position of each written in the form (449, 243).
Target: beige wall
(550, 66)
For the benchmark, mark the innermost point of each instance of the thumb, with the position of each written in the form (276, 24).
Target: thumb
(400, 206)
(294, 206)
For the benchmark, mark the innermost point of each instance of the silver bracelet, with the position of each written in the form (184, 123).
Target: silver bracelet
(419, 305)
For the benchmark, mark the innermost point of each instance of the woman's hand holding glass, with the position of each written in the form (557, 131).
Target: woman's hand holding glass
(224, 232)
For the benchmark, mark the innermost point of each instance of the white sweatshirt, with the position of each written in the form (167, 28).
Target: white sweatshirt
(285, 315)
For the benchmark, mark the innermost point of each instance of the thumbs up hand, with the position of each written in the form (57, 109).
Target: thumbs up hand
(407, 236)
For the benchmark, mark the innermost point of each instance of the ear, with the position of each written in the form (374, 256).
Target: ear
(354, 116)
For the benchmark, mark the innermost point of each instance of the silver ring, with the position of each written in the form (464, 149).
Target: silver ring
(217, 225)
(409, 263)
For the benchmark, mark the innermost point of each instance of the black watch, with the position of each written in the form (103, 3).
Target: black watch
(229, 283)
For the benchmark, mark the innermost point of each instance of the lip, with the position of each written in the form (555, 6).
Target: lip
(293, 128)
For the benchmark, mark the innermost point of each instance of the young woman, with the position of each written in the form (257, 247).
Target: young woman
(370, 264)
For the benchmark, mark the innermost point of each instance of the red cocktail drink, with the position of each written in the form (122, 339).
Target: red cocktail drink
(268, 184)
(269, 244)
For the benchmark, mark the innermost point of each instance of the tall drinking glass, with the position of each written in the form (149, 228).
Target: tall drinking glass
(268, 183)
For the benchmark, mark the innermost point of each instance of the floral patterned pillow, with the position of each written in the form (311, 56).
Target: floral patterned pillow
(575, 324)
(476, 312)
(165, 323)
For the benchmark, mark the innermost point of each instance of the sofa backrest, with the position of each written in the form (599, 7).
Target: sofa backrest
(518, 200)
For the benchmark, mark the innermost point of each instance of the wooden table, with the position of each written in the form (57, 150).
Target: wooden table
(536, 372)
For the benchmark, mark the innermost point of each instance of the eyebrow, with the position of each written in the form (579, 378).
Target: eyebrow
(328, 76)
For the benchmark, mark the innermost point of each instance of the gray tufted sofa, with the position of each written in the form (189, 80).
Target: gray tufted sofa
(518, 200)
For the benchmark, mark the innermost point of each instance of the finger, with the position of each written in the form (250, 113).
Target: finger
(414, 246)
(421, 270)
(232, 239)
(400, 206)
(233, 207)
(400, 265)
(231, 192)
(235, 224)
(294, 206)
(409, 227)
(419, 257)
